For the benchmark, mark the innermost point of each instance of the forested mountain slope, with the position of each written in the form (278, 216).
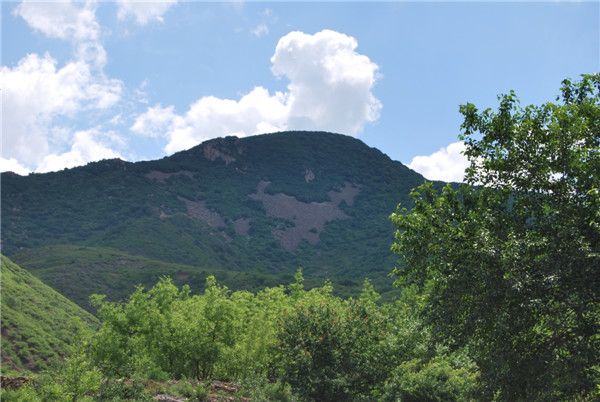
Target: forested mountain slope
(265, 205)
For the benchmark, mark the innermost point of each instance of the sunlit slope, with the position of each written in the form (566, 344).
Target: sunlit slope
(38, 323)
(79, 272)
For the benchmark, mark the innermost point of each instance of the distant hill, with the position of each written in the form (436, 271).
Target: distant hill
(38, 323)
(262, 205)
(80, 271)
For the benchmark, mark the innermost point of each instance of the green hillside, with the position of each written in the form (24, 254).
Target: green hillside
(264, 205)
(38, 323)
(82, 271)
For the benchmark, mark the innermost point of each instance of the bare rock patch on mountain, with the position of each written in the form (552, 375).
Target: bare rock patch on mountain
(162, 176)
(308, 218)
(241, 226)
(212, 152)
(198, 210)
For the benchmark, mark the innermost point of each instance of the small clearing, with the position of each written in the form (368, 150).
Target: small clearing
(241, 226)
(308, 219)
(199, 210)
(212, 153)
(346, 194)
(162, 176)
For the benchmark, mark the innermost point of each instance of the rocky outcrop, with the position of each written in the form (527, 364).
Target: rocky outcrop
(308, 219)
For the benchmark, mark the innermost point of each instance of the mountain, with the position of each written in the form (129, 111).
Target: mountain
(262, 205)
(38, 323)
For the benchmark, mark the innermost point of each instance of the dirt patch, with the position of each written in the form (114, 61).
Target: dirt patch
(308, 219)
(212, 153)
(13, 382)
(169, 398)
(182, 276)
(162, 176)
(241, 226)
(225, 391)
(198, 210)
(219, 392)
(346, 194)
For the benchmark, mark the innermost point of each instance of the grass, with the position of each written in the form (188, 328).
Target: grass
(38, 323)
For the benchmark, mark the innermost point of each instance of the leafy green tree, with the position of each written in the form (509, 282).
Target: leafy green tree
(332, 349)
(167, 333)
(251, 358)
(313, 344)
(205, 327)
(509, 265)
(441, 378)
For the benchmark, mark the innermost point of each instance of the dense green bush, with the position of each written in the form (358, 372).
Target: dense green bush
(334, 349)
(282, 343)
(442, 378)
(277, 343)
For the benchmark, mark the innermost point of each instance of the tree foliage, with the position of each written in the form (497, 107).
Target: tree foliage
(281, 343)
(509, 263)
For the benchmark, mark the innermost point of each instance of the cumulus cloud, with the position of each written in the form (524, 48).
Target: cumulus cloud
(86, 147)
(36, 92)
(330, 83)
(447, 164)
(12, 165)
(330, 88)
(210, 117)
(154, 122)
(144, 11)
(62, 20)
(39, 96)
(67, 20)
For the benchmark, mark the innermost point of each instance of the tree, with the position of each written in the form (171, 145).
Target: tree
(331, 349)
(509, 263)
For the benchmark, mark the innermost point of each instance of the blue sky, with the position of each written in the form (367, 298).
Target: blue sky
(86, 81)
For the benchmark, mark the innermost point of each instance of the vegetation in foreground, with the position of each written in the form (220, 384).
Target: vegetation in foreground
(499, 296)
(509, 266)
(280, 343)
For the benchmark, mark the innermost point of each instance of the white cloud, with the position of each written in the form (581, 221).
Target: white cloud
(330, 88)
(447, 164)
(85, 148)
(36, 92)
(209, 117)
(39, 97)
(63, 20)
(154, 122)
(12, 165)
(260, 30)
(67, 20)
(140, 94)
(330, 83)
(144, 11)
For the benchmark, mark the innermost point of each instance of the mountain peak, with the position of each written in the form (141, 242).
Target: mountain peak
(266, 203)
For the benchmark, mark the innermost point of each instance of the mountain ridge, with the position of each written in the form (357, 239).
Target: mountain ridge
(266, 204)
